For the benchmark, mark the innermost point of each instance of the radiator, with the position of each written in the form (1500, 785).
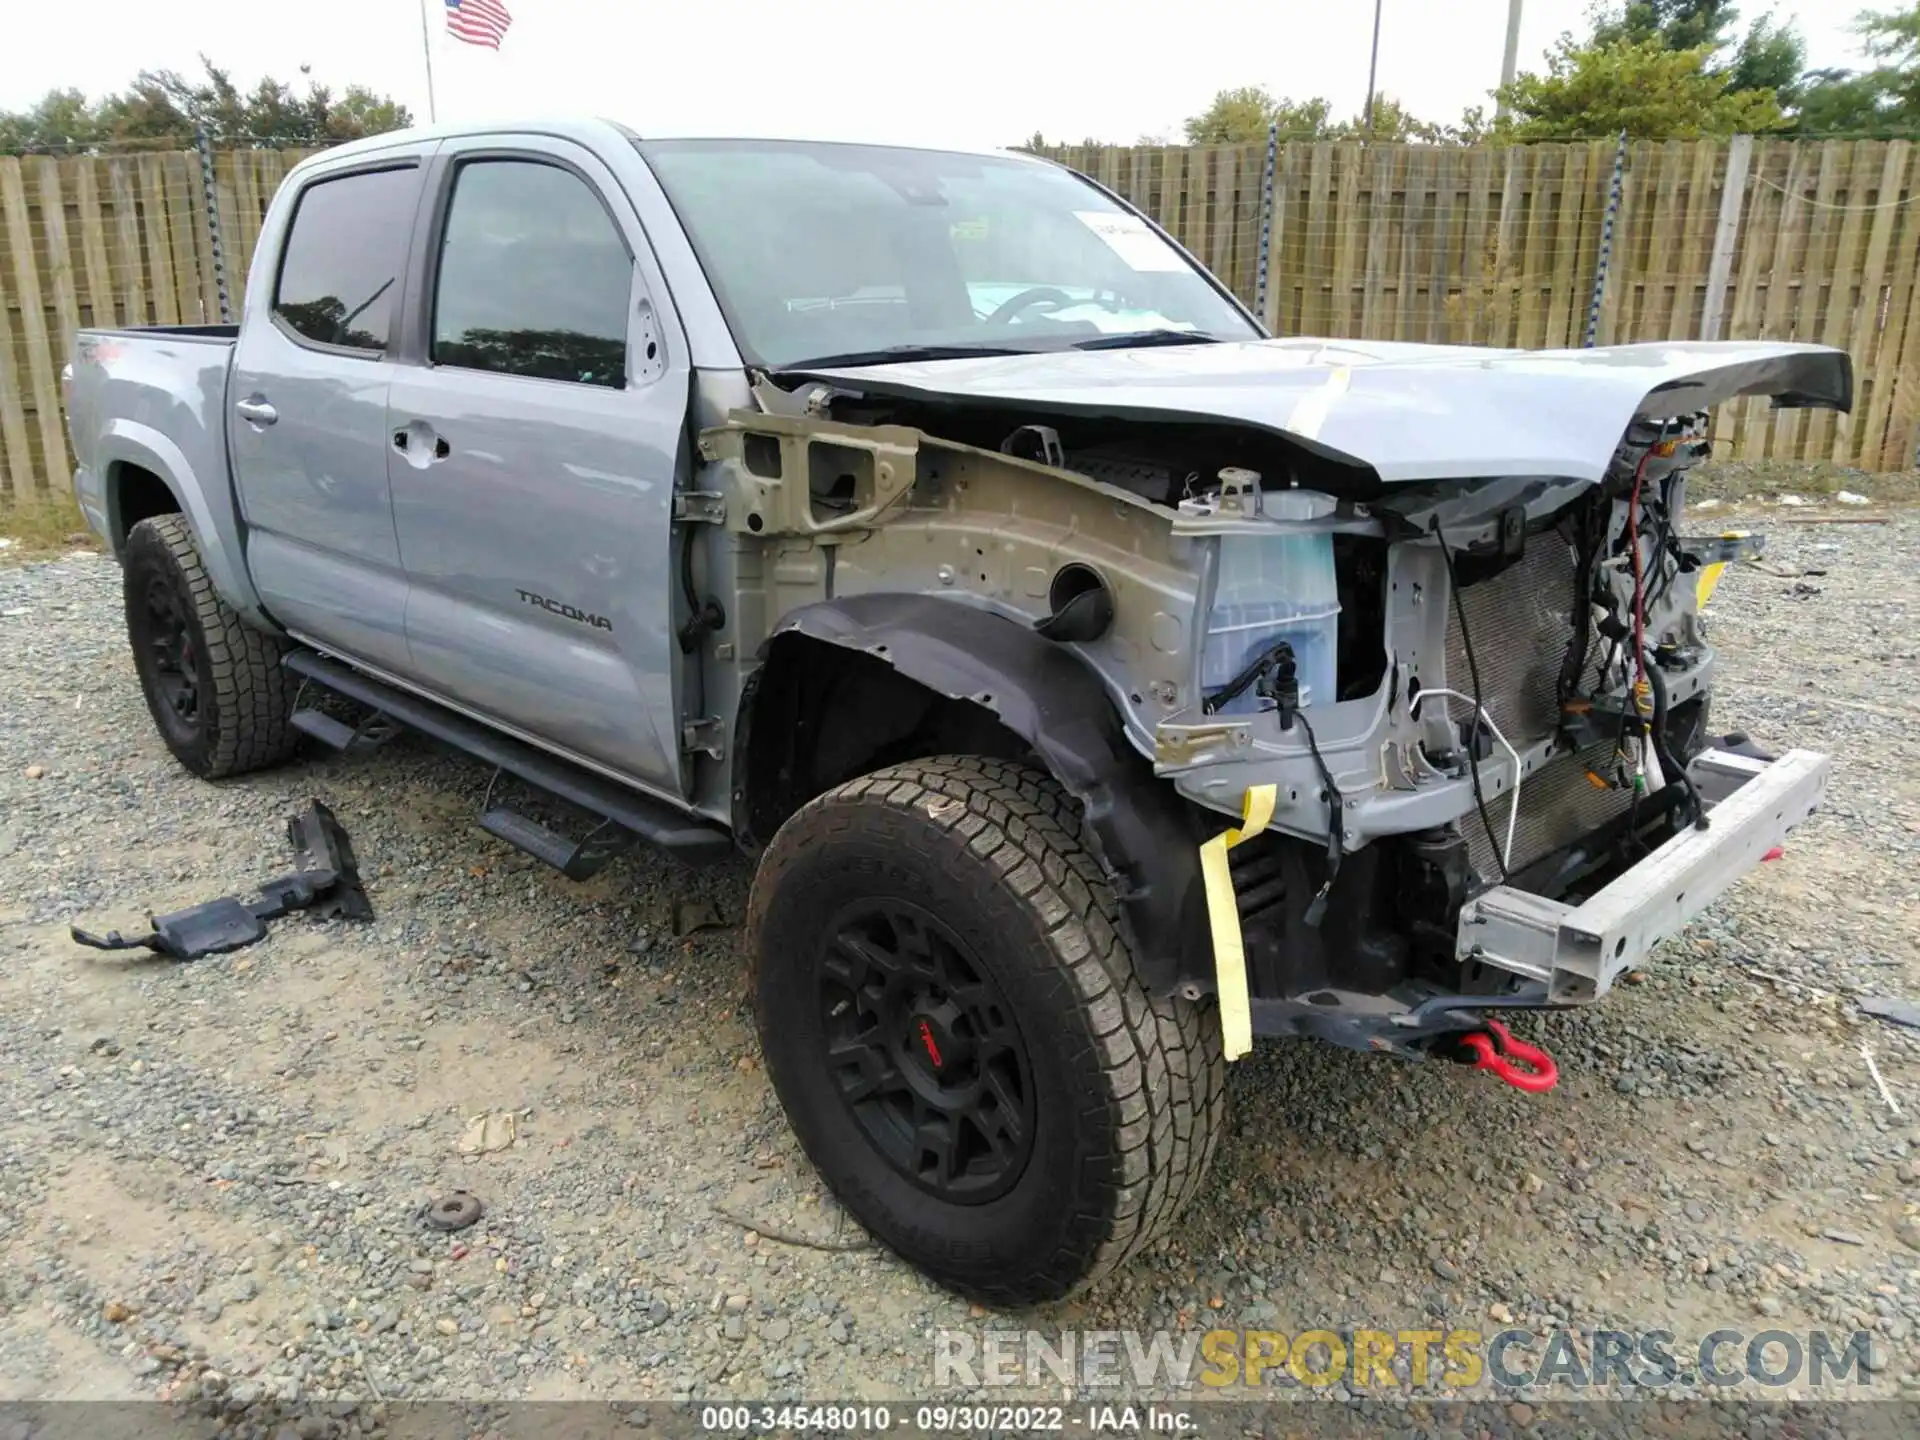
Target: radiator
(1522, 623)
(1558, 804)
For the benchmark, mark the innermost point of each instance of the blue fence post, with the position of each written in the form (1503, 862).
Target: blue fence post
(213, 225)
(1606, 241)
(1266, 224)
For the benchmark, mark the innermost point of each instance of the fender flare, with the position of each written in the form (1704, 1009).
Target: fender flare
(1142, 833)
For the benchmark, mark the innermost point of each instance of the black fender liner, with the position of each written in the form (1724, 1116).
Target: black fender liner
(1143, 834)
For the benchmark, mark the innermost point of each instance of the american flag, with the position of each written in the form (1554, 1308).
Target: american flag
(478, 22)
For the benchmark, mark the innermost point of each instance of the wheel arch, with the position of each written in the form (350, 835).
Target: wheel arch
(846, 686)
(142, 470)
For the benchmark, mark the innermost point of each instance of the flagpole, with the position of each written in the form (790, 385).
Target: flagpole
(426, 49)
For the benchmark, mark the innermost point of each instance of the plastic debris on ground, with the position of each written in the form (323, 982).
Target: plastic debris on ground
(325, 880)
(1889, 1007)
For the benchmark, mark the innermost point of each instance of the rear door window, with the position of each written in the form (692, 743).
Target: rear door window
(535, 278)
(340, 270)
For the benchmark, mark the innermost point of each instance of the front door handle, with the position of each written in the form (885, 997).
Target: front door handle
(420, 445)
(256, 411)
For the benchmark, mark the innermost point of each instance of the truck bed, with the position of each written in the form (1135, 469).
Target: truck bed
(153, 399)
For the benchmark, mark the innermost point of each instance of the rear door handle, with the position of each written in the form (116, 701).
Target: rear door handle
(429, 444)
(256, 411)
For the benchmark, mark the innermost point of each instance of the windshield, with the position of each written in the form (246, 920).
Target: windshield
(852, 253)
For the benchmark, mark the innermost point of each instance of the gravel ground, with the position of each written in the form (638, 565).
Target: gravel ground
(211, 1175)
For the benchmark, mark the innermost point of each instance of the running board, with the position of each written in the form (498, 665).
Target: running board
(687, 837)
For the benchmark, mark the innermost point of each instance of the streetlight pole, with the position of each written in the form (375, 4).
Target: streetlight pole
(1511, 59)
(1373, 68)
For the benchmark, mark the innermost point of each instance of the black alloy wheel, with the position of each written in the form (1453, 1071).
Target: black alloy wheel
(926, 1051)
(172, 656)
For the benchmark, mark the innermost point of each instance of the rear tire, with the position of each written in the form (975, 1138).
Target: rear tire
(214, 685)
(956, 1029)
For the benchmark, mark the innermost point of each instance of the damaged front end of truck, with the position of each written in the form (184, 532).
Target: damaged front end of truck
(1378, 671)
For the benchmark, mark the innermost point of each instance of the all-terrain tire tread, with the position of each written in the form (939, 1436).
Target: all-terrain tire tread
(1162, 1056)
(251, 716)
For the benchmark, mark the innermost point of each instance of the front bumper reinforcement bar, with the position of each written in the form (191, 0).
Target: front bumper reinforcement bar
(1578, 950)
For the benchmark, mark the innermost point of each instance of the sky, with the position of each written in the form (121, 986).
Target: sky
(978, 73)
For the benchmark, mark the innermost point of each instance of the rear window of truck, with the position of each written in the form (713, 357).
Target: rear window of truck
(340, 269)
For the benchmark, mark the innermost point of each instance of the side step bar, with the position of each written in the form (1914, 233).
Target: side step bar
(370, 734)
(688, 838)
(576, 859)
(332, 733)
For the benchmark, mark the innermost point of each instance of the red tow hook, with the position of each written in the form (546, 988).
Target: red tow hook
(1498, 1051)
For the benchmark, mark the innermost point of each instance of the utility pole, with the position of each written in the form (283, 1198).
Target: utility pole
(1511, 59)
(1373, 68)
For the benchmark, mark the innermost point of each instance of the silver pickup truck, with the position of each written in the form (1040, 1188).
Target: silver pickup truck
(1099, 683)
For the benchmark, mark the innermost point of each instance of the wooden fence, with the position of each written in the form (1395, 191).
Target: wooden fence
(1748, 239)
(108, 240)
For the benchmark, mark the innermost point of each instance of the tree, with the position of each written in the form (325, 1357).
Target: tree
(1883, 102)
(1474, 127)
(165, 106)
(1639, 86)
(1392, 123)
(1242, 115)
(1675, 24)
(1769, 56)
(1895, 36)
(1840, 102)
(57, 113)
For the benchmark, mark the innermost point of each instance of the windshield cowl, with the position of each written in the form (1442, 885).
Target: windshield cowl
(900, 354)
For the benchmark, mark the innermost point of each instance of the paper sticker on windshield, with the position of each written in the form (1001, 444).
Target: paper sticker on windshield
(1132, 239)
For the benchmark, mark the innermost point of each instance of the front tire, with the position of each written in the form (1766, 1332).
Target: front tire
(214, 685)
(954, 1024)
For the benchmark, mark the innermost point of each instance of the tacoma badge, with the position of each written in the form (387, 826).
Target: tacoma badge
(571, 612)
